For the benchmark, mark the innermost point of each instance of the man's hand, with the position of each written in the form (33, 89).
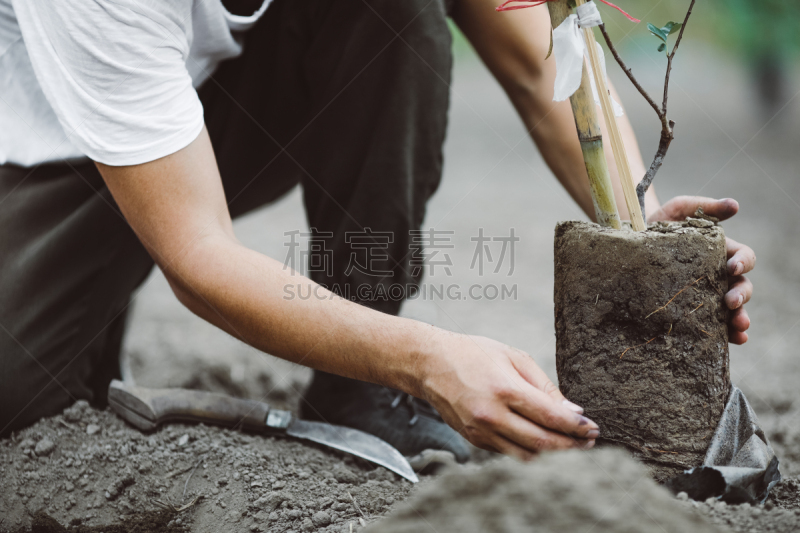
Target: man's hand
(741, 258)
(499, 399)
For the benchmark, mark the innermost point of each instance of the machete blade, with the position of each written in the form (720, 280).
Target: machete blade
(354, 442)
(147, 409)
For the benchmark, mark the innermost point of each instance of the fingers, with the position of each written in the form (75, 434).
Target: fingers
(519, 411)
(530, 371)
(532, 438)
(740, 289)
(533, 374)
(573, 407)
(737, 325)
(741, 258)
(681, 207)
(722, 209)
(523, 440)
(506, 447)
(737, 337)
(739, 320)
(538, 407)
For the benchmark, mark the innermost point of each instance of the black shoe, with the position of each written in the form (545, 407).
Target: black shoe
(409, 424)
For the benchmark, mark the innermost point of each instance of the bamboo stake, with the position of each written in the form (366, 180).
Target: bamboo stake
(617, 146)
(588, 126)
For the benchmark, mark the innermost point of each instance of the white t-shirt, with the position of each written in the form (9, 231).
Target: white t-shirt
(113, 80)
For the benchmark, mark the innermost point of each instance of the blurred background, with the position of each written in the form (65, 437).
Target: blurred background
(735, 99)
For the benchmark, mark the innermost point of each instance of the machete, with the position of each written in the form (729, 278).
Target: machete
(146, 409)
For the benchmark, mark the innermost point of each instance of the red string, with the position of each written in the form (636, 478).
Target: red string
(529, 3)
(522, 4)
(632, 19)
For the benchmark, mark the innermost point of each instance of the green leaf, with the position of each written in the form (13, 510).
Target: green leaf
(657, 32)
(662, 47)
(671, 27)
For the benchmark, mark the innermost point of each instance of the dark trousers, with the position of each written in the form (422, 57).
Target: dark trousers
(346, 97)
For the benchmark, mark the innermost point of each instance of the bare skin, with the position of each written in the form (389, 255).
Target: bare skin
(493, 394)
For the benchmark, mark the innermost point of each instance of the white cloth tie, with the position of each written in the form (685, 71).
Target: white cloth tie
(588, 15)
(569, 49)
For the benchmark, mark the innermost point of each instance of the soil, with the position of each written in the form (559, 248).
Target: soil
(641, 335)
(615, 495)
(87, 470)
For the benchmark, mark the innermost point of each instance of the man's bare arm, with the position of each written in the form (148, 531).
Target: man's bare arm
(494, 395)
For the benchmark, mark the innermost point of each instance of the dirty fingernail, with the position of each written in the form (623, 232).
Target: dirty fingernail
(586, 422)
(739, 301)
(593, 434)
(739, 268)
(588, 445)
(573, 407)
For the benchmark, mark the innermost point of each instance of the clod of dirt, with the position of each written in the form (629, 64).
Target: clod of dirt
(603, 490)
(271, 501)
(641, 335)
(116, 488)
(76, 411)
(44, 447)
(321, 519)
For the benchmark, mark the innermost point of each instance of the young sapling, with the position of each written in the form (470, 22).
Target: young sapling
(667, 125)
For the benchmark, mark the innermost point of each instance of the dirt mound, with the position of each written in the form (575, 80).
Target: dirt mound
(87, 470)
(604, 490)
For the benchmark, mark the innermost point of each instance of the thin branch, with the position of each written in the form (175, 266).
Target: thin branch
(667, 134)
(672, 55)
(628, 71)
(667, 125)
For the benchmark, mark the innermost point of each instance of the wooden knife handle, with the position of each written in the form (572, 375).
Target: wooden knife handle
(148, 408)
